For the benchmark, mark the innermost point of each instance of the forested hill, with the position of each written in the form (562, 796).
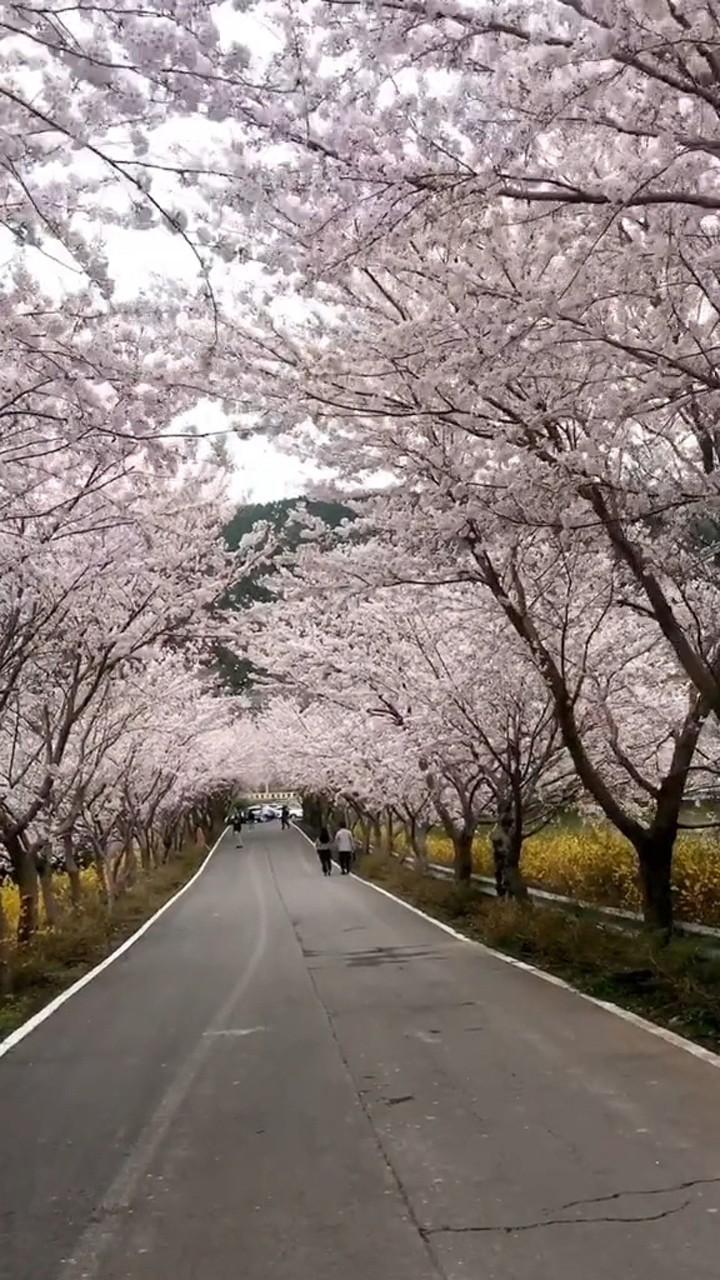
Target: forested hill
(279, 516)
(237, 671)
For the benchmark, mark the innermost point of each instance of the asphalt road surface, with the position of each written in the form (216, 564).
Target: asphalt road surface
(293, 1078)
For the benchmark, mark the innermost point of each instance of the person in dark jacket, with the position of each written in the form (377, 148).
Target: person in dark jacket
(324, 847)
(285, 818)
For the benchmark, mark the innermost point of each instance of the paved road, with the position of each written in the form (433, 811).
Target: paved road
(292, 1078)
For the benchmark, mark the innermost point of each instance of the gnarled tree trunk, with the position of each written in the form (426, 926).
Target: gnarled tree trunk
(417, 836)
(506, 840)
(463, 849)
(26, 879)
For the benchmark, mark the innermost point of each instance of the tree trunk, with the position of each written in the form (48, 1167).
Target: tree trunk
(50, 906)
(100, 866)
(655, 867)
(145, 853)
(313, 812)
(71, 867)
(507, 847)
(421, 847)
(390, 830)
(376, 837)
(151, 847)
(463, 849)
(130, 872)
(26, 879)
(497, 842)
(417, 839)
(5, 952)
(365, 832)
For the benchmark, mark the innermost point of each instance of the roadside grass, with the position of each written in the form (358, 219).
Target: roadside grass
(676, 986)
(56, 958)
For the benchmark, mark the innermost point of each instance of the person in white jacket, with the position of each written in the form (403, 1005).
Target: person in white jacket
(345, 846)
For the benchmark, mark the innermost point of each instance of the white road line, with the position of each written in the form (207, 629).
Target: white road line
(234, 1031)
(15, 1037)
(661, 1033)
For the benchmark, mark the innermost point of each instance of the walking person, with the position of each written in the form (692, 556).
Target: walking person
(238, 821)
(345, 845)
(285, 818)
(323, 844)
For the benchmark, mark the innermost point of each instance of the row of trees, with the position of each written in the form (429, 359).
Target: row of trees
(483, 251)
(114, 741)
(504, 229)
(424, 707)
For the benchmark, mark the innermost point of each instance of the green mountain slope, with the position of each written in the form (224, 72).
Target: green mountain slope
(234, 669)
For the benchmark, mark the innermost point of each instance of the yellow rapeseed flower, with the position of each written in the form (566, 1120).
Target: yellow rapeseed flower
(594, 863)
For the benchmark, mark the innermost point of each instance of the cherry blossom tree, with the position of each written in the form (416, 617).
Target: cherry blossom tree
(537, 624)
(538, 279)
(130, 575)
(562, 104)
(475, 737)
(126, 115)
(628, 717)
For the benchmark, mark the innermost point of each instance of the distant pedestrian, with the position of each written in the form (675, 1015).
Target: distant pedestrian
(285, 818)
(238, 823)
(323, 844)
(345, 846)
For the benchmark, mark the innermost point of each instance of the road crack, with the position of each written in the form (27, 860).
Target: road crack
(513, 1228)
(654, 1191)
(383, 1152)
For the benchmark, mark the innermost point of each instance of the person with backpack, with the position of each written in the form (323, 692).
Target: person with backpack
(324, 848)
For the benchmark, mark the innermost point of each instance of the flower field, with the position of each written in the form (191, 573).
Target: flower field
(10, 901)
(596, 864)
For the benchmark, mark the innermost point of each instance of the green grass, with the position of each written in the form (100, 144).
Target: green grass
(676, 986)
(55, 959)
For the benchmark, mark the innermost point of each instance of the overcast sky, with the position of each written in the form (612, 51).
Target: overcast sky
(263, 471)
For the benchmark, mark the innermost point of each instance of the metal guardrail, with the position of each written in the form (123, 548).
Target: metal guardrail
(544, 896)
